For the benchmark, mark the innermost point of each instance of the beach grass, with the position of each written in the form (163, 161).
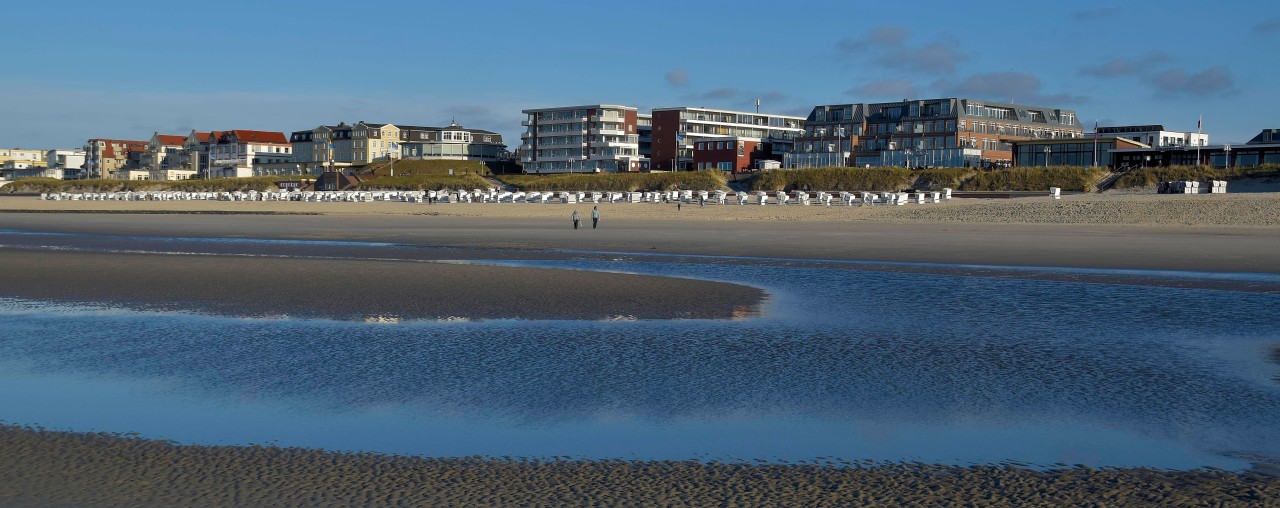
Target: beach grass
(419, 182)
(619, 182)
(833, 179)
(412, 167)
(1068, 178)
(1147, 177)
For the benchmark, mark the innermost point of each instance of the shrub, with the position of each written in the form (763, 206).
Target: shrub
(425, 167)
(833, 179)
(939, 178)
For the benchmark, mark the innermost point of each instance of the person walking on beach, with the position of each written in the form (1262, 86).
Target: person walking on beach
(575, 218)
(595, 216)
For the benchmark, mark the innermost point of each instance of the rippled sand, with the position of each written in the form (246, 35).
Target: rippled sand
(44, 468)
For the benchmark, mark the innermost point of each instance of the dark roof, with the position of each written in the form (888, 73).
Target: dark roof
(1266, 136)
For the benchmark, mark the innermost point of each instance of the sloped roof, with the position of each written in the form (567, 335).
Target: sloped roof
(257, 136)
(168, 140)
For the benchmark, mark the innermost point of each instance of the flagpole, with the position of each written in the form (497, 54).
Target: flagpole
(1095, 143)
(1199, 126)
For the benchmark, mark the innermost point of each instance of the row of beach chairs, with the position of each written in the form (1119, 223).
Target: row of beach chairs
(802, 198)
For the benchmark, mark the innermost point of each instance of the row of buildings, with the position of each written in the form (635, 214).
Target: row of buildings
(940, 132)
(243, 153)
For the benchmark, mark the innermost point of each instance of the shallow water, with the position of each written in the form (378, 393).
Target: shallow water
(846, 363)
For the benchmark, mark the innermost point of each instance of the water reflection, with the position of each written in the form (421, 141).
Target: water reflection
(847, 363)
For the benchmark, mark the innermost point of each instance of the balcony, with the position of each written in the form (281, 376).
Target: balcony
(606, 118)
(526, 123)
(608, 131)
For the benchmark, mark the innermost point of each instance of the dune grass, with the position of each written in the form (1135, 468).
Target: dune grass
(833, 179)
(1147, 177)
(619, 182)
(1069, 178)
(425, 167)
(425, 182)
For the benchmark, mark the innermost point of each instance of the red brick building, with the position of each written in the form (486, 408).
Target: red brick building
(735, 153)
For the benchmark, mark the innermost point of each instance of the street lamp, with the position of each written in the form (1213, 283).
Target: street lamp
(1047, 151)
(1226, 149)
(907, 159)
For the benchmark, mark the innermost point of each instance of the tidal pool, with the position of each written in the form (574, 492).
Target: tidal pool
(845, 363)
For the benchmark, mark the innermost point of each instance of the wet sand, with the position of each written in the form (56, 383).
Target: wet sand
(56, 469)
(361, 289)
(1147, 247)
(45, 468)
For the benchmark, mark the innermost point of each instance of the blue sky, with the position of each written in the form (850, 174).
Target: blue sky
(77, 70)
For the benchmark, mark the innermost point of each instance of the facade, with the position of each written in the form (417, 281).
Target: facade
(166, 158)
(955, 131)
(676, 130)
(19, 154)
(450, 143)
(1069, 152)
(373, 142)
(242, 153)
(107, 156)
(1262, 149)
(736, 154)
(830, 134)
(581, 139)
(195, 153)
(65, 164)
(644, 129)
(1154, 135)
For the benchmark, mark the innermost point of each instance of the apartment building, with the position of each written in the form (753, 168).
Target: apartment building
(166, 158)
(65, 164)
(677, 130)
(343, 145)
(600, 138)
(106, 157)
(955, 131)
(22, 155)
(1154, 135)
(453, 142)
(373, 142)
(243, 153)
(830, 135)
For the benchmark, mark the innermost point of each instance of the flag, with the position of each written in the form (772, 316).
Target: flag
(1095, 130)
(1198, 122)
(679, 138)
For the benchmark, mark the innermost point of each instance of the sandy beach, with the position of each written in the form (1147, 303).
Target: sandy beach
(1213, 233)
(1210, 233)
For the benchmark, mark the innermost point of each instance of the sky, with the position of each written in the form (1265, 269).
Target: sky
(79, 70)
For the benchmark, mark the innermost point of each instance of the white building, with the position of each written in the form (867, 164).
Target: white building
(19, 154)
(580, 139)
(65, 164)
(1154, 135)
(243, 153)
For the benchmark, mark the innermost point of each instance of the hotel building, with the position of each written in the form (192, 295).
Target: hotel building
(677, 130)
(581, 139)
(243, 153)
(949, 132)
(450, 143)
